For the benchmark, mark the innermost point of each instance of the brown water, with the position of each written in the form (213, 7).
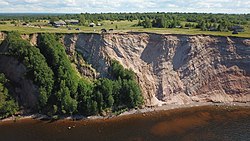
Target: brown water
(190, 124)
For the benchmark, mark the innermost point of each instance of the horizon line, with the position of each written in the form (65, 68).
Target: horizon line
(120, 12)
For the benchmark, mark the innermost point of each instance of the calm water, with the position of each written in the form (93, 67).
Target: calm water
(190, 124)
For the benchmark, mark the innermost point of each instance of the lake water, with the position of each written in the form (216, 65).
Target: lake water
(208, 123)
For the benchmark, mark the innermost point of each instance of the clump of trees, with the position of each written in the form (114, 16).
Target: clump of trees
(65, 77)
(61, 89)
(121, 91)
(82, 19)
(75, 94)
(160, 22)
(8, 106)
(222, 26)
(204, 23)
(146, 23)
(38, 70)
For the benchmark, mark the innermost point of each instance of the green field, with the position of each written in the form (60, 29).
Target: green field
(118, 26)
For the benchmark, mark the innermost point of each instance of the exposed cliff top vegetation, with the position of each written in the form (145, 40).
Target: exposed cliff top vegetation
(165, 23)
(61, 90)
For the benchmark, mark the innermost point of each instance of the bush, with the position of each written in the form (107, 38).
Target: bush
(3, 23)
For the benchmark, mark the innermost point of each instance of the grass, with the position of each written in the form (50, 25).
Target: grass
(120, 27)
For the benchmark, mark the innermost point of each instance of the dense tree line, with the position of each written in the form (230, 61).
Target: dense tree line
(65, 77)
(234, 19)
(221, 26)
(62, 90)
(38, 70)
(160, 22)
(189, 17)
(74, 94)
(205, 25)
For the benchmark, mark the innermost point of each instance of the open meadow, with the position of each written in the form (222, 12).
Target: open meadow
(117, 26)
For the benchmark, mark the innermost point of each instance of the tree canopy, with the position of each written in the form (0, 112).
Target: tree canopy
(39, 71)
(61, 89)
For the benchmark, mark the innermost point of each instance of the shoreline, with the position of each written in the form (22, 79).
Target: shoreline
(143, 111)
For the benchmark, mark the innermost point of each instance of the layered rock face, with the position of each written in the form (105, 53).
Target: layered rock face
(176, 69)
(173, 68)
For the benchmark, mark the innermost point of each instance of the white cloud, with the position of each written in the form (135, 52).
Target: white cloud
(32, 1)
(3, 3)
(172, 5)
(77, 6)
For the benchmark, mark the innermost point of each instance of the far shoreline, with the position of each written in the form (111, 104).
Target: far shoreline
(130, 112)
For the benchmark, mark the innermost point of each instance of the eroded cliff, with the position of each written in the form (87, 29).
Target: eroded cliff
(173, 68)
(170, 68)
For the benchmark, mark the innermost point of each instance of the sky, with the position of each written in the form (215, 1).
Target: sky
(98, 6)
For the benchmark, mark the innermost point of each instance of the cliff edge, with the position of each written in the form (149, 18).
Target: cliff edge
(177, 69)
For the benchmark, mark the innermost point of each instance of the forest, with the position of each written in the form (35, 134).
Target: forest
(61, 90)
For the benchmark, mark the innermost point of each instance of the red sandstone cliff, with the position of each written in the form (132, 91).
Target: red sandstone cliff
(170, 68)
(174, 68)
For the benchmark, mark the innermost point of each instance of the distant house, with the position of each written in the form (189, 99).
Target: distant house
(58, 23)
(92, 25)
(72, 21)
(25, 24)
(103, 30)
(237, 28)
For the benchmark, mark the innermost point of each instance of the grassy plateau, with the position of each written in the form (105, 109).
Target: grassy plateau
(118, 26)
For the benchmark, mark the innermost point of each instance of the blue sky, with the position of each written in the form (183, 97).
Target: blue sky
(97, 6)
